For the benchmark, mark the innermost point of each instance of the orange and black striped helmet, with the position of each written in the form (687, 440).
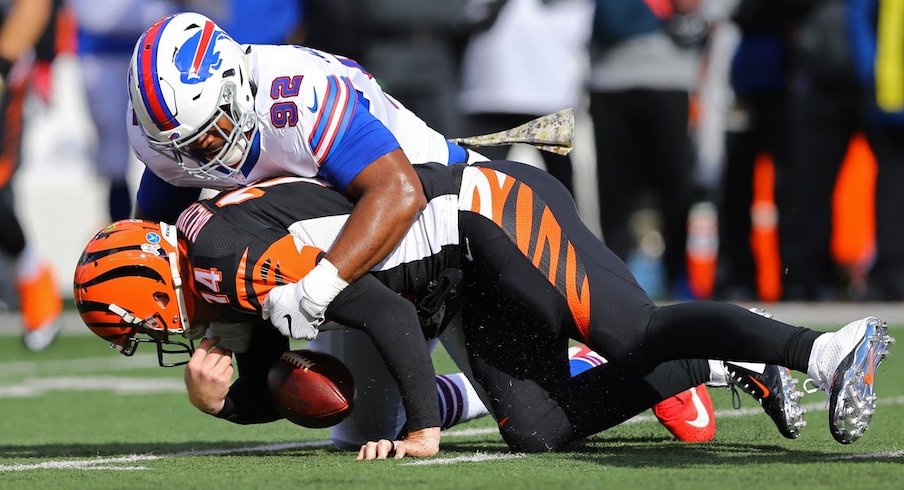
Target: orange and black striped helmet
(128, 289)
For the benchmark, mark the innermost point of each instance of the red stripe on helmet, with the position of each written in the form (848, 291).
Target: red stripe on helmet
(147, 59)
(203, 43)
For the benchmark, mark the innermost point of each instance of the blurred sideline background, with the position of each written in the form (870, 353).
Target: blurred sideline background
(59, 198)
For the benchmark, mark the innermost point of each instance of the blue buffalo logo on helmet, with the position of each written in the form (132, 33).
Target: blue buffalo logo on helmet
(197, 58)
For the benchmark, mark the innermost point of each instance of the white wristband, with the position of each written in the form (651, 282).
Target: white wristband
(323, 283)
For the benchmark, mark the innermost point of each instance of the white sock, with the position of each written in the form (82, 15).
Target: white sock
(718, 373)
(813, 363)
(28, 264)
(458, 402)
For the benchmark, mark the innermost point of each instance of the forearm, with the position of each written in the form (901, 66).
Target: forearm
(388, 198)
(248, 403)
(247, 400)
(392, 324)
(374, 228)
(23, 26)
(158, 200)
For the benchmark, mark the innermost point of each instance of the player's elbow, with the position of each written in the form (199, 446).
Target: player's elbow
(409, 197)
(418, 202)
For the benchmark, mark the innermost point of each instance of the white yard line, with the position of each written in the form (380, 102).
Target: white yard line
(78, 464)
(97, 463)
(476, 458)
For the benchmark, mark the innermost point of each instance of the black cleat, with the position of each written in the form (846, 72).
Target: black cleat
(776, 391)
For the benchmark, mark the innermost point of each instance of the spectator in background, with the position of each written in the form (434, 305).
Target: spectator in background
(323, 19)
(24, 24)
(530, 62)
(828, 107)
(107, 31)
(877, 32)
(644, 64)
(412, 47)
(757, 123)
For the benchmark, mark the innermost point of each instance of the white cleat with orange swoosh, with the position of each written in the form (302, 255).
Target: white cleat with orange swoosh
(845, 367)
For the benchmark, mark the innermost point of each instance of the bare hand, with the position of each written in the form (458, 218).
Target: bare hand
(208, 375)
(420, 444)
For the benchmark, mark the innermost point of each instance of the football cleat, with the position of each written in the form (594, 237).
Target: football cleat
(855, 351)
(689, 415)
(41, 306)
(776, 391)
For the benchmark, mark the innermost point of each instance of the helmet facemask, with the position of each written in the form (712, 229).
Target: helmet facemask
(228, 161)
(153, 330)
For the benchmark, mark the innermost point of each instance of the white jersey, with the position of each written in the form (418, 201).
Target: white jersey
(305, 99)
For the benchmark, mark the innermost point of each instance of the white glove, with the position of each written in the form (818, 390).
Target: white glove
(297, 310)
(283, 308)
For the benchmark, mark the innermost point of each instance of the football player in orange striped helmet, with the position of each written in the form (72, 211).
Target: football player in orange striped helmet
(128, 289)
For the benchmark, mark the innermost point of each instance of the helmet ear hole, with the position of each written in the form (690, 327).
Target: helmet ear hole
(161, 298)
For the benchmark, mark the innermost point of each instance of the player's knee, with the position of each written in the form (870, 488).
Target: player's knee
(539, 440)
(536, 432)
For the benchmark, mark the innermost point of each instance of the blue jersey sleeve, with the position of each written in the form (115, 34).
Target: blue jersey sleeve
(159, 200)
(365, 139)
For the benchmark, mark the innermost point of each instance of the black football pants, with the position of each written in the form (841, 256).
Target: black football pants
(538, 276)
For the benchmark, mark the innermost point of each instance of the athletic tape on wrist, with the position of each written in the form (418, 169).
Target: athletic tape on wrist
(322, 284)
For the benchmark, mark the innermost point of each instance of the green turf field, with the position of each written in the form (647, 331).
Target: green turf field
(81, 416)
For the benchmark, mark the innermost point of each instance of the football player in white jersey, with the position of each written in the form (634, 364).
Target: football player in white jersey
(207, 112)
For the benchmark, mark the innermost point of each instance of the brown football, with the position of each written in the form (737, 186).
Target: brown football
(311, 389)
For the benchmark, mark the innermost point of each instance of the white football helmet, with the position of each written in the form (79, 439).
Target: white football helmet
(185, 75)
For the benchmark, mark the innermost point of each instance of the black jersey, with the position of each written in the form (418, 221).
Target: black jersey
(243, 242)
